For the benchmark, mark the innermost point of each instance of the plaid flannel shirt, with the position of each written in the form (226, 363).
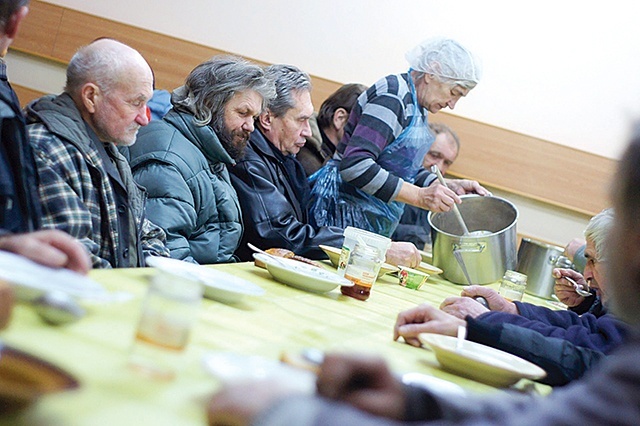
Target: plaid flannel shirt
(75, 189)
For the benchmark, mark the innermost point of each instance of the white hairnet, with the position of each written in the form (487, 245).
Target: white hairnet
(445, 58)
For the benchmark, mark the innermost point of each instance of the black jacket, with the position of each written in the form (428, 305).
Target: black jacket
(272, 211)
(19, 202)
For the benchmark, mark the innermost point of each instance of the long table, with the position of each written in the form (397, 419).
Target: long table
(95, 349)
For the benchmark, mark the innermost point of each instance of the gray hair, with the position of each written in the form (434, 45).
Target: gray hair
(598, 230)
(8, 8)
(287, 79)
(211, 84)
(105, 66)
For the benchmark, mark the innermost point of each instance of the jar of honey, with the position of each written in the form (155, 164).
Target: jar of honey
(362, 269)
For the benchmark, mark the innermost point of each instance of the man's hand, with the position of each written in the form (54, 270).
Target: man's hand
(461, 307)
(403, 253)
(425, 319)
(465, 186)
(6, 303)
(364, 382)
(239, 404)
(51, 248)
(494, 300)
(564, 290)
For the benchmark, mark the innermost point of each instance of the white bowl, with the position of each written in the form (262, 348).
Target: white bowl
(301, 275)
(479, 362)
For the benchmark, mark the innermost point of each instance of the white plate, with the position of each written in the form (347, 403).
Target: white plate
(231, 367)
(433, 384)
(427, 256)
(302, 276)
(218, 285)
(30, 280)
(428, 268)
(479, 362)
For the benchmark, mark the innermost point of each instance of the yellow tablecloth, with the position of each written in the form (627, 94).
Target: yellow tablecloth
(95, 349)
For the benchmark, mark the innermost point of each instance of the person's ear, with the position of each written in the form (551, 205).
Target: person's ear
(265, 120)
(90, 96)
(340, 117)
(13, 25)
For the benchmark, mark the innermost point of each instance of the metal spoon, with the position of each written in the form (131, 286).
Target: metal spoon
(465, 230)
(276, 258)
(578, 288)
(58, 307)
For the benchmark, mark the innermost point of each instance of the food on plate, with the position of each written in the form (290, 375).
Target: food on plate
(287, 254)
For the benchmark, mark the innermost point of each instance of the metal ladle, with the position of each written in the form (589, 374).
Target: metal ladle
(465, 230)
(458, 255)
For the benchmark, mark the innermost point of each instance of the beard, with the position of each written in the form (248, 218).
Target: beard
(234, 142)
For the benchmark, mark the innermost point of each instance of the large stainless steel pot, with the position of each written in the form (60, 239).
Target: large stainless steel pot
(486, 257)
(536, 260)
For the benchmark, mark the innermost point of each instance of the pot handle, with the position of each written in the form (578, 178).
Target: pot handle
(474, 247)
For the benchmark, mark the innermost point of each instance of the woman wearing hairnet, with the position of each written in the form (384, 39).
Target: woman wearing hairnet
(370, 177)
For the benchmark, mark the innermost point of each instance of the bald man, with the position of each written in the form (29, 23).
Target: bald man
(86, 185)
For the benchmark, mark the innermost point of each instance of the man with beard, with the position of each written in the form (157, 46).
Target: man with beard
(86, 187)
(182, 159)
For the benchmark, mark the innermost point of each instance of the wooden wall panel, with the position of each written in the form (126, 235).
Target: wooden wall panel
(25, 95)
(39, 30)
(531, 167)
(64, 30)
(520, 164)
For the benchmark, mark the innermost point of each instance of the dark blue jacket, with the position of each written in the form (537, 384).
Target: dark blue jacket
(563, 343)
(19, 203)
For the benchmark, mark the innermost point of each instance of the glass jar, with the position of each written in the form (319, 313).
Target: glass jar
(513, 285)
(362, 269)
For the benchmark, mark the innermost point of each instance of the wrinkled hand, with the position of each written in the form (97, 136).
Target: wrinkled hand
(437, 198)
(494, 300)
(573, 246)
(6, 303)
(424, 319)
(461, 307)
(564, 290)
(240, 403)
(364, 382)
(51, 248)
(465, 186)
(403, 253)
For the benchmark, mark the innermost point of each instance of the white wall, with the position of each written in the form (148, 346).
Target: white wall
(564, 71)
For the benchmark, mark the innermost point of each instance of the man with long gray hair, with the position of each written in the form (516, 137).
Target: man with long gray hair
(182, 159)
(86, 185)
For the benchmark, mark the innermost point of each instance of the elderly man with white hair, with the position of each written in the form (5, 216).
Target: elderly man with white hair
(86, 186)
(562, 342)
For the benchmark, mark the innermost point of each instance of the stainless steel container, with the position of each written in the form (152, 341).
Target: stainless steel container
(536, 260)
(486, 257)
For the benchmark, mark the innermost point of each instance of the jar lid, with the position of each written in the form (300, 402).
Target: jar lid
(367, 250)
(515, 276)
